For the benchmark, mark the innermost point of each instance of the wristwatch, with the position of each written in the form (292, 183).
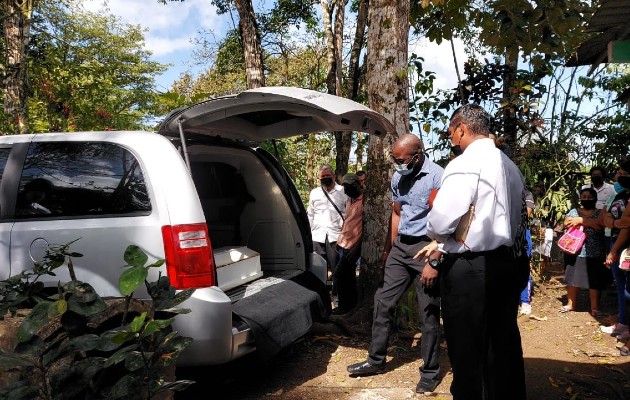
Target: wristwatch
(435, 262)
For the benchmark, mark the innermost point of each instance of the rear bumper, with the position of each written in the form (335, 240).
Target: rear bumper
(217, 339)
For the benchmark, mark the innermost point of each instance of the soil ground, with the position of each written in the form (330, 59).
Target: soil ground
(566, 357)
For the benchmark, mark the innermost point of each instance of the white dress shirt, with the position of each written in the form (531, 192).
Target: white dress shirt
(483, 175)
(322, 216)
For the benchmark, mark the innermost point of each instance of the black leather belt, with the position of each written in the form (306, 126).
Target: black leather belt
(407, 239)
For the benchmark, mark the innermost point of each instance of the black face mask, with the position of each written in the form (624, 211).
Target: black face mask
(588, 204)
(326, 181)
(597, 180)
(457, 150)
(352, 191)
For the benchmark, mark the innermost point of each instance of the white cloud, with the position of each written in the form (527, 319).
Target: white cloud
(439, 59)
(170, 27)
(162, 46)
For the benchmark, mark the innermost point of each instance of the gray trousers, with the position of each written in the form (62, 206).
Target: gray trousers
(401, 270)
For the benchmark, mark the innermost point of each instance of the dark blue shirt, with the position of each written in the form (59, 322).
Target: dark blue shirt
(412, 193)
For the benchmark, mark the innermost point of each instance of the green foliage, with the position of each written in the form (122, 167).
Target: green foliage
(25, 290)
(80, 360)
(88, 72)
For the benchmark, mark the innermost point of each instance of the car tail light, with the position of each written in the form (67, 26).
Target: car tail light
(189, 259)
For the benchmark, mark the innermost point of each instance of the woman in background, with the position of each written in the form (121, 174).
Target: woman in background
(587, 270)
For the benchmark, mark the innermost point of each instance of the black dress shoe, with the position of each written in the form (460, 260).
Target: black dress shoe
(365, 368)
(426, 386)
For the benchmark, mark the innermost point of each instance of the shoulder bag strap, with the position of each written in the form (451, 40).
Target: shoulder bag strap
(333, 204)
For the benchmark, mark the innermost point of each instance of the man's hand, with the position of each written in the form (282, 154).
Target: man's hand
(427, 250)
(429, 275)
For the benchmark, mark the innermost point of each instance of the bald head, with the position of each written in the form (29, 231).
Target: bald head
(411, 144)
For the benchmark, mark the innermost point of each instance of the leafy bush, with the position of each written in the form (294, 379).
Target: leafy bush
(74, 344)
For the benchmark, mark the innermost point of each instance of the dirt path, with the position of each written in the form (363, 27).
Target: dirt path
(566, 357)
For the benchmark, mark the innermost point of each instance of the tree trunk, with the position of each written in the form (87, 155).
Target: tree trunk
(387, 88)
(354, 72)
(16, 29)
(252, 50)
(509, 113)
(334, 48)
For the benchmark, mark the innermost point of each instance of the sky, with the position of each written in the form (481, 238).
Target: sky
(172, 27)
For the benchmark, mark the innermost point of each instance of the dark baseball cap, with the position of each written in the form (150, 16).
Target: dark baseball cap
(350, 179)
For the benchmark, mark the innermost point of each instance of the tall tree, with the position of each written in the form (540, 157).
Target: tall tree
(388, 93)
(252, 51)
(16, 32)
(335, 10)
(88, 71)
(539, 31)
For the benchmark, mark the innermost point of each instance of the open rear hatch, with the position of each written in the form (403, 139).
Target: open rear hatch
(272, 113)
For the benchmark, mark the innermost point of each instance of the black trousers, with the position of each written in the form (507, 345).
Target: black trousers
(401, 270)
(480, 296)
(345, 276)
(328, 250)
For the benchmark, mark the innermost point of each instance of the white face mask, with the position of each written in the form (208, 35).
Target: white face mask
(403, 169)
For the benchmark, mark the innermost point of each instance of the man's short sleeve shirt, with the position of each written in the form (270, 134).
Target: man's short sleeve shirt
(412, 193)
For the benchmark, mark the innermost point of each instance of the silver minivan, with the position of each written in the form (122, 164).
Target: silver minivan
(200, 194)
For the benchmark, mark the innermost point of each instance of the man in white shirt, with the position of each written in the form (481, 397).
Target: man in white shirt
(481, 276)
(326, 209)
(604, 189)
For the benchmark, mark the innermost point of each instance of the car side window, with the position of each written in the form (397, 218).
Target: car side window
(4, 156)
(72, 179)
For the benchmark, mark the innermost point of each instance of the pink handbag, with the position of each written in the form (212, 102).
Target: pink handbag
(573, 240)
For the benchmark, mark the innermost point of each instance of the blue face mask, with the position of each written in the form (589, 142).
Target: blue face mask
(619, 188)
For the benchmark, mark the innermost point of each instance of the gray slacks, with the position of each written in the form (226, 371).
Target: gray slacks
(401, 270)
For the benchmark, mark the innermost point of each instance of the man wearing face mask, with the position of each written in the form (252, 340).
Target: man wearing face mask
(326, 208)
(483, 271)
(413, 182)
(604, 189)
(349, 245)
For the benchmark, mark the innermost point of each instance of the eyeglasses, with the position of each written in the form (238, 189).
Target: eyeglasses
(401, 161)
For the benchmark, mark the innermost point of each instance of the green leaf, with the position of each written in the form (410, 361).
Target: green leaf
(81, 307)
(137, 322)
(176, 386)
(123, 389)
(83, 343)
(122, 337)
(33, 321)
(134, 256)
(156, 264)
(58, 307)
(120, 355)
(134, 361)
(107, 340)
(10, 359)
(156, 325)
(131, 279)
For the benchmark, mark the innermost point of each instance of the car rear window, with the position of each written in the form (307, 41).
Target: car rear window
(66, 179)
